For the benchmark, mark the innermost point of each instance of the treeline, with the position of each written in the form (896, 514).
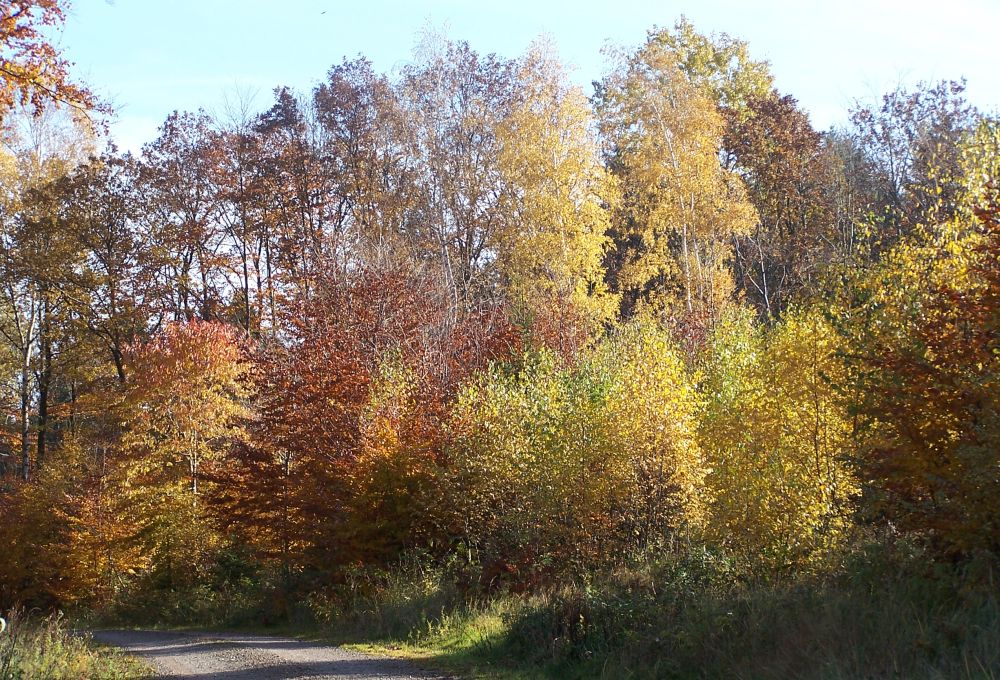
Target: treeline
(468, 312)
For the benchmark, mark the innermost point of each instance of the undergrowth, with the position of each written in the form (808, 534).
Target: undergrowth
(876, 617)
(879, 612)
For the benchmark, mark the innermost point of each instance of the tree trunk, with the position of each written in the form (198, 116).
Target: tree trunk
(44, 381)
(25, 413)
(116, 355)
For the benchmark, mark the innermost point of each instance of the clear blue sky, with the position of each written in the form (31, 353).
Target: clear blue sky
(149, 57)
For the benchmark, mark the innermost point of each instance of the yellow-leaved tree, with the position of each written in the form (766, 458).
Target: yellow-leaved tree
(552, 251)
(393, 482)
(680, 206)
(183, 405)
(777, 435)
(67, 538)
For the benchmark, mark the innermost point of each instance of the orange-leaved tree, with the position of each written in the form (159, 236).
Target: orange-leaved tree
(185, 404)
(342, 464)
(32, 72)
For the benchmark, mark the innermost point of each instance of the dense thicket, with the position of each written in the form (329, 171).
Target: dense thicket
(467, 312)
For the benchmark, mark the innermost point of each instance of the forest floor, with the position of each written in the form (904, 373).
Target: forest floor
(231, 656)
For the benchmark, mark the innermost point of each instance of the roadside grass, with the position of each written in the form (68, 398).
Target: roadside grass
(876, 619)
(33, 648)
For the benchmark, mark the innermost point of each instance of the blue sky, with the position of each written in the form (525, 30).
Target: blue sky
(149, 57)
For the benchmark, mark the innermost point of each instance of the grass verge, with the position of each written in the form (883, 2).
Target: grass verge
(32, 649)
(874, 619)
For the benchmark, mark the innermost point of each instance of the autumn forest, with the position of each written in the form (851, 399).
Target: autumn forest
(467, 345)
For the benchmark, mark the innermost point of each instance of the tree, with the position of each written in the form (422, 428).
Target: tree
(912, 143)
(187, 395)
(176, 180)
(241, 186)
(343, 459)
(182, 409)
(777, 435)
(556, 468)
(118, 288)
(680, 207)
(36, 251)
(551, 253)
(789, 176)
(21, 314)
(852, 191)
(718, 64)
(454, 100)
(300, 234)
(32, 72)
(365, 153)
(922, 333)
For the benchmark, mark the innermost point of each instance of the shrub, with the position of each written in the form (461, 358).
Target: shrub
(777, 435)
(556, 467)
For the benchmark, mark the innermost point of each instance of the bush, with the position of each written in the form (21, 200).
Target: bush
(559, 468)
(777, 436)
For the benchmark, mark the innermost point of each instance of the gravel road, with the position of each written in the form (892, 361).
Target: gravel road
(231, 656)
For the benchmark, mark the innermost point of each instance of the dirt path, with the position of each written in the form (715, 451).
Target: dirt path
(230, 656)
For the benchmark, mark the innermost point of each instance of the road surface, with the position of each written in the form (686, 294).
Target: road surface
(231, 656)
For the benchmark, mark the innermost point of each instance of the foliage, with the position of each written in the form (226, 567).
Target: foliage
(185, 399)
(791, 178)
(561, 467)
(342, 461)
(922, 329)
(182, 409)
(67, 536)
(912, 141)
(121, 498)
(551, 156)
(459, 355)
(776, 435)
(31, 69)
(719, 64)
(680, 206)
